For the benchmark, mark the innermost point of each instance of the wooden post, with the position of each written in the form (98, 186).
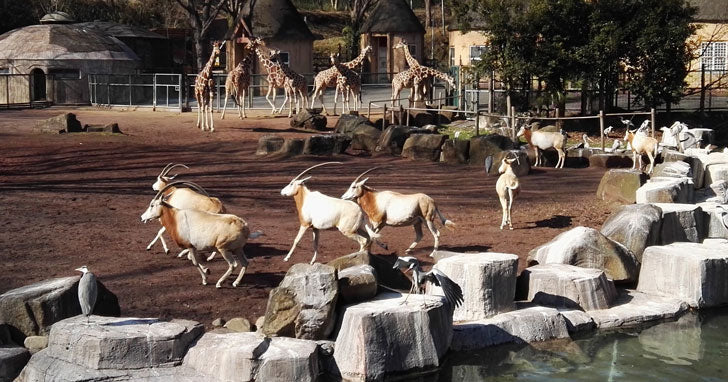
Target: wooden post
(477, 119)
(513, 120)
(384, 118)
(369, 110)
(653, 120)
(399, 120)
(601, 127)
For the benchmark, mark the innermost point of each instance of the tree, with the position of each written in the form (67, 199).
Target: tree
(201, 14)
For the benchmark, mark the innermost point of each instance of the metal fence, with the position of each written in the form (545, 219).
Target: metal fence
(145, 90)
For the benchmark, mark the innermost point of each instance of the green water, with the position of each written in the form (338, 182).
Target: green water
(693, 348)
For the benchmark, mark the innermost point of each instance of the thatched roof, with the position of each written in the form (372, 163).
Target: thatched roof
(120, 30)
(711, 10)
(62, 42)
(57, 17)
(392, 16)
(275, 20)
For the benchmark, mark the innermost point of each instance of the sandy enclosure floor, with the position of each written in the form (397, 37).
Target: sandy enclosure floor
(74, 199)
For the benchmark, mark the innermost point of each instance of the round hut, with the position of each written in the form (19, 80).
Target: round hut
(390, 22)
(152, 48)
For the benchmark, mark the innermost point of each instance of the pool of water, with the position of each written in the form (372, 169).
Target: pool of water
(693, 348)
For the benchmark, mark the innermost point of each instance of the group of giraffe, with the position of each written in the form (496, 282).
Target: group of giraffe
(415, 78)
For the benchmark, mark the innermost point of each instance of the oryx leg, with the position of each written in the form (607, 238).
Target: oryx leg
(159, 237)
(315, 244)
(301, 230)
(240, 254)
(510, 205)
(504, 207)
(232, 263)
(418, 235)
(435, 235)
(196, 262)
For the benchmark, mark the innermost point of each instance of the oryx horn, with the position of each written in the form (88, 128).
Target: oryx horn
(313, 167)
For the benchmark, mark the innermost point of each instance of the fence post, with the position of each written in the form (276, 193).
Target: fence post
(108, 90)
(653, 120)
(369, 110)
(401, 109)
(477, 119)
(408, 118)
(130, 91)
(154, 92)
(601, 127)
(384, 118)
(513, 118)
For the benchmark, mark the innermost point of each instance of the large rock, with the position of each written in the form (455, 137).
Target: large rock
(455, 151)
(314, 291)
(716, 172)
(633, 308)
(681, 222)
(713, 220)
(484, 146)
(386, 275)
(292, 147)
(12, 361)
(488, 281)
(32, 309)
(385, 336)
(357, 283)
(568, 286)
(521, 167)
(121, 343)
(586, 247)
(308, 119)
(253, 357)
(672, 170)
(393, 138)
(692, 272)
(636, 226)
(347, 123)
(666, 190)
(326, 144)
(269, 143)
(365, 138)
(620, 185)
(529, 323)
(423, 147)
(112, 128)
(610, 160)
(64, 123)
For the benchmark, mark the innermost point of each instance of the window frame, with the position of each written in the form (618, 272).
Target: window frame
(481, 49)
(714, 56)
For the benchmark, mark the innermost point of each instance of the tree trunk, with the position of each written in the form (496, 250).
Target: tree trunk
(199, 51)
(428, 14)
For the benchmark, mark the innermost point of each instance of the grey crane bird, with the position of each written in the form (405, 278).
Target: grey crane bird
(452, 291)
(87, 292)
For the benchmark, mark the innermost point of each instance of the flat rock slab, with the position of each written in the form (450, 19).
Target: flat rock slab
(488, 281)
(12, 360)
(681, 222)
(568, 286)
(695, 273)
(577, 321)
(529, 323)
(673, 170)
(253, 357)
(666, 190)
(716, 172)
(385, 336)
(713, 220)
(633, 308)
(121, 342)
(636, 226)
(620, 185)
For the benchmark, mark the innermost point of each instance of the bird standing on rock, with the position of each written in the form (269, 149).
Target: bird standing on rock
(452, 291)
(87, 292)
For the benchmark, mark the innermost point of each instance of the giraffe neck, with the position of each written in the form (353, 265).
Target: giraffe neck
(356, 61)
(411, 61)
(267, 63)
(207, 70)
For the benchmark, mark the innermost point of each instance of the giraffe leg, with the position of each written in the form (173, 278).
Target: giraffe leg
(209, 109)
(224, 105)
(242, 102)
(267, 98)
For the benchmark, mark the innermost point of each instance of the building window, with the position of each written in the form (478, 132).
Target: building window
(713, 56)
(452, 56)
(283, 58)
(65, 74)
(476, 51)
(412, 49)
(4, 70)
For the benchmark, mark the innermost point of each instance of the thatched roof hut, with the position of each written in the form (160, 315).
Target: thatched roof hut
(712, 11)
(389, 23)
(153, 49)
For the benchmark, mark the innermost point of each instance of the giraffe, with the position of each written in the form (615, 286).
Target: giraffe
(328, 78)
(402, 80)
(238, 82)
(205, 90)
(295, 85)
(420, 73)
(276, 78)
(347, 81)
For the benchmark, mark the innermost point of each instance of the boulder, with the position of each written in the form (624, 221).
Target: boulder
(449, 112)
(392, 139)
(268, 144)
(666, 190)
(259, 324)
(588, 248)
(384, 336)
(716, 172)
(672, 170)
(695, 273)
(424, 118)
(455, 151)
(309, 119)
(306, 299)
(484, 146)
(636, 226)
(620, 186)
(681, 222)
(488, 281)
(12, 361)
(632, 308)
(713, 220)
(386, 275)
(529, 323)
(32, 309)
(365, 138)
(253, 357)
(521, 167)
(568, 286)
(121, 343)
(669, 155)
(326, 144)
(579, 157)
(350, 260)
(5, 335)
(719, 191)
(423, 146)
(577, 321)
(706, 136)
(357, 283)
(347, 123)
(292, 147)
(238, 324)
(611, 160)
(64, 123)
(35, 344)
(108, 128)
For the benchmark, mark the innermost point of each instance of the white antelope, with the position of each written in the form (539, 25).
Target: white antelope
(507, 188)
(389, 208)
(641, 144)
(543, 140)
(319, 211)
(184, 198)
(199, 230)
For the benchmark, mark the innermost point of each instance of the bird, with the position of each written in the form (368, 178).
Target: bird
(723, 216)
(608, 130)
(626, 122)
(453, 292)
(615, 146)
(87, 291)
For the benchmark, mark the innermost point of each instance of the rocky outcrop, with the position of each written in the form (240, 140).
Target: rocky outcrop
(666, 190)
(713, 220)
(12, 361)
(611, 160)
(681, 222)
(392, 139)
(292, 147)
(64, 123)
(112, 128)
(521, 167)
(636, 226)
(326, 144)
(365, 138)
(484, 146)
(423, 147)
(455, 151)
(238, 324)
(268, 144)
(384, 336)
(672, 170)
(568, 286)
(620, 186)
(308, 119)
(633, 308)
(357, 283)
(347, 123)
(488, 281)
(587, 248)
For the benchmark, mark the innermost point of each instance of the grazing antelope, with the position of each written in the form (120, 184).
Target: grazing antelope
(319, 211)
(641, 144)
(543, 140)
(200, 230)
(389, 208)
(507, 188)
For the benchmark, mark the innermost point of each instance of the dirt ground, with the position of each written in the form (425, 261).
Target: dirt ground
(74, 199)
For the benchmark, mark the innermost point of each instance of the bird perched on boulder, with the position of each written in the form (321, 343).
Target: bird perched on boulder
(452, 291)
(87, 291)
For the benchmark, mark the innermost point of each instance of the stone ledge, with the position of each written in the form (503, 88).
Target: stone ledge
(633, 308)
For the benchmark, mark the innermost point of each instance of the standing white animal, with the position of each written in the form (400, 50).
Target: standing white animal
(507, 188)
(543, 140)
(318, 211)
(389, 208)
(641, 144)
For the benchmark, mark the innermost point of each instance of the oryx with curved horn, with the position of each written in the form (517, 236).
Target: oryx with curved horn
(319, 211)
(507, 187)
(389, 208)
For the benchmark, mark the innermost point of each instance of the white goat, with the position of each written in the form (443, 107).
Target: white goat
(542, 140)
(389, 208)
(184, 198)
(507, 188)
(199, 230)
(319, 211)
(641, 144)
